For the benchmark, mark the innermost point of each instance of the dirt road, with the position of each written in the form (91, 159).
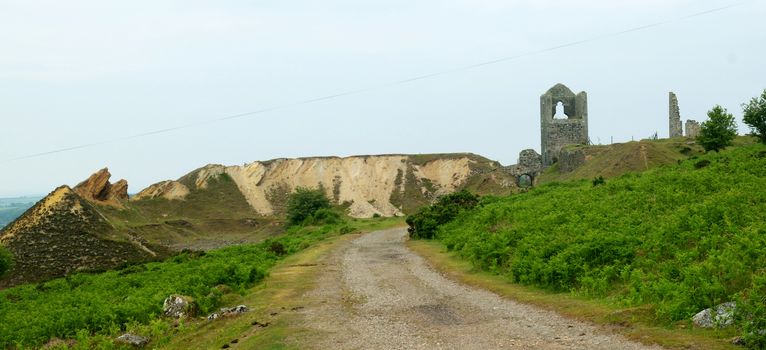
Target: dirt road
(376, 294)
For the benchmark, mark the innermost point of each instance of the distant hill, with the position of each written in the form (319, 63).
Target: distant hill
(96, 226)
(11, 208)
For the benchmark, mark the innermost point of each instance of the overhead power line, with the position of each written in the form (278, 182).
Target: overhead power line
(380, 86)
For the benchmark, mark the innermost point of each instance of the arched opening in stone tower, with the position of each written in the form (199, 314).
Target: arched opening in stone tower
(560, 111)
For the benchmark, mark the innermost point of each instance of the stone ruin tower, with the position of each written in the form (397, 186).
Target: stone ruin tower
(675, 117)
(692, 129)
(567, 128)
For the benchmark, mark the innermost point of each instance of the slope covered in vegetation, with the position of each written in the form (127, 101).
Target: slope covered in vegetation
(675, 239)
(95, 308)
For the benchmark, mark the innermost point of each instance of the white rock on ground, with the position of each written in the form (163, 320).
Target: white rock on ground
(724, 316)
(132, 339)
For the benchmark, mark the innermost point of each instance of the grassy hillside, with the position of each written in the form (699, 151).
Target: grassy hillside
(638, 156)
(210, 217)
(673, 240)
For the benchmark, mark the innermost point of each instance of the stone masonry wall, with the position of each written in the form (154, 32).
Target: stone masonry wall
(674, 117)
(692, 129)
(558, 133)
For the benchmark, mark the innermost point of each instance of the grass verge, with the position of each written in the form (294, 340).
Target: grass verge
(633, 323)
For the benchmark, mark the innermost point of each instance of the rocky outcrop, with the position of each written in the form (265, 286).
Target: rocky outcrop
(720, 316)
(166, 189)
(118, 191)
(132, 340)
(228, 312)
(179, 306)
(386, 185)
(98, 189)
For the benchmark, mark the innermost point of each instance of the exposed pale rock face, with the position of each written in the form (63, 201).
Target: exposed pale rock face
(166, 189)
(365, 182)
(368, 184)
(97, 188)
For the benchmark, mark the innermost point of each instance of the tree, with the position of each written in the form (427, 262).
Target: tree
(305, 202)
(6, 260)
(718, 131)
(755, 116)
(425, 222)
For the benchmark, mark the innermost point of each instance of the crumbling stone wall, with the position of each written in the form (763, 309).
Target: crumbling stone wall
(557, 133)
(570, 159)
(674, 117)
(692, 129)
(527, 170)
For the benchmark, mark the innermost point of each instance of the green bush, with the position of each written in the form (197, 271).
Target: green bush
(755, 116)
(676, 239)
(6, 260)
(598, 181)
(718, 131)
(325, 216)
(424, 223)
(304, 203)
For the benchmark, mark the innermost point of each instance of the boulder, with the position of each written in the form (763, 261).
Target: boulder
(179, 306)
(719, 316)
(133, 340)
(228, 312)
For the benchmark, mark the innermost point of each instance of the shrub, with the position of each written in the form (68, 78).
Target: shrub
(324, 216)
(718, 131)
(755, 116)
(97, 306)
(599, 181)
(424, 223)
(6, 261)
(304, 203)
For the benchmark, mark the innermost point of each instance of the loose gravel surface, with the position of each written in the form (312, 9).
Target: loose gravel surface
(376, 294)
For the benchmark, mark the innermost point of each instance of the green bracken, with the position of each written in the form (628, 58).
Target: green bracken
(677, 239)
(95, 307)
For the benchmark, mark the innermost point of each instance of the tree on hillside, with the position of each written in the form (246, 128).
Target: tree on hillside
(6, 260)
(424, 223)
(304, 203)
(755, 116)
(718, 131)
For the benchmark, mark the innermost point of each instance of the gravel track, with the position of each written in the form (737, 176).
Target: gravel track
(376, 294)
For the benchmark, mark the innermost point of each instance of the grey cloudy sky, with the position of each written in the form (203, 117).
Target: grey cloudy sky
(82, 72)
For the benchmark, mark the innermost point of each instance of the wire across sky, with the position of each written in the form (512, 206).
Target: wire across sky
(381, 86)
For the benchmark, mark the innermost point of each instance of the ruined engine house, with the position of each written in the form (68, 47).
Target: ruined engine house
(563, 121)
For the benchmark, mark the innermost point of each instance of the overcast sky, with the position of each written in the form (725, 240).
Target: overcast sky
(84, 72)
